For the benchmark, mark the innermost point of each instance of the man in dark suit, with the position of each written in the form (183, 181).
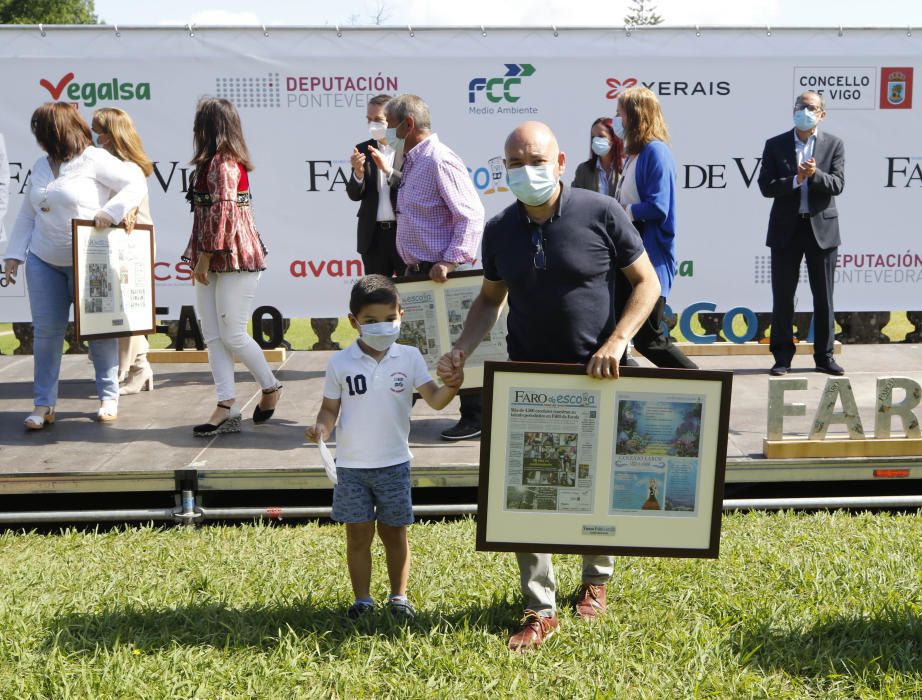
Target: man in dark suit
(802, 172)
(375, 177)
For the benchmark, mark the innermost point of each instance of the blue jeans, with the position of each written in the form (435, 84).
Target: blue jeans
(51, 294)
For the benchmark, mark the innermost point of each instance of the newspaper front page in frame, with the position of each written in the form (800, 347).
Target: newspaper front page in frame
(551, 449)
(113, 280)
(570, 463)
(434, 316)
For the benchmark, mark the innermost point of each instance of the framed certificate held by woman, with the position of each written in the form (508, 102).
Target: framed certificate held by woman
(113, 280)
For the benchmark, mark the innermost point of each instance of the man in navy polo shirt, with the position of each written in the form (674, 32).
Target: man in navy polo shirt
(554, 254)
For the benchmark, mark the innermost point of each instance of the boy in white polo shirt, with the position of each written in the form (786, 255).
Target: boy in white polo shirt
(369, 386)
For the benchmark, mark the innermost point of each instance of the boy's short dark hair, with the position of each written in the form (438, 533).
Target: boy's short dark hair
(373, 289)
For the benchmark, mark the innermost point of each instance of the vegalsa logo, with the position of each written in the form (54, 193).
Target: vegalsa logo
(669, 88)
(500, 89)
(90, 93)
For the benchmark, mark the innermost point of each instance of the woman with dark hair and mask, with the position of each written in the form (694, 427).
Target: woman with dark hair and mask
(606, 153)
(227, 257)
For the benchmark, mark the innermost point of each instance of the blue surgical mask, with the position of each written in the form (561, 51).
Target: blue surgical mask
(391, 134)
(532, 184)
(600, 145)
(805, 120)
(617, 125)
(380, 336)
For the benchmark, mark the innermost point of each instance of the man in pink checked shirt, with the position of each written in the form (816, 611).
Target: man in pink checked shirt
(440, 217)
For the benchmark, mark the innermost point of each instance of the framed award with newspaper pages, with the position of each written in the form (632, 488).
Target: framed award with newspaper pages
(113, 280)
(569, 463)
(434, 314)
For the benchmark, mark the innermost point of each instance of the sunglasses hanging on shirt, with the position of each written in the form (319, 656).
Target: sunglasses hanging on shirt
(540, 258)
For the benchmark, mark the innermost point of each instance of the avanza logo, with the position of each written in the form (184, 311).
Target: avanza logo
(91, 93)
(326, 268)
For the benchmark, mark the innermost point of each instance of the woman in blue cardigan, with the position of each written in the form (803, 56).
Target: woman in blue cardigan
(646, 190)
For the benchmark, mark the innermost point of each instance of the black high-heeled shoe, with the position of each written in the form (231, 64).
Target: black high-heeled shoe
(231, 424)
(261, 415)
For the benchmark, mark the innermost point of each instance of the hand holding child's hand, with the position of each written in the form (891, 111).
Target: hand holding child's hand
(317, 433)
(451, 368)
(456, 379)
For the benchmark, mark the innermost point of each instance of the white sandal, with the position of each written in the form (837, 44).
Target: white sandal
(108, 411)
(37, 421)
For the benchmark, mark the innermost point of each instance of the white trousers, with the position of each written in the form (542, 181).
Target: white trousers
(223, 307)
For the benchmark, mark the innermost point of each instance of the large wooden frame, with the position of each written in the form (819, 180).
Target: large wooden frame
(434, 314)
(110, 267)
(635, 466)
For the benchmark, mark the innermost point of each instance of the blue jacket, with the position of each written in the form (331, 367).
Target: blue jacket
(655, 174)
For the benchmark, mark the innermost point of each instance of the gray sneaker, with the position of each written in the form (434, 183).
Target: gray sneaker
(358, 609)
(400, 608)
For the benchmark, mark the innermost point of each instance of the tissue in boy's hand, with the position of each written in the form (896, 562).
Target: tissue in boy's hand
(328, 464)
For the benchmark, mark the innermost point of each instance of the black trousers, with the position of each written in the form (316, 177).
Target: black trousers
(821, 269)
(382, 257)
(471, 404)
(651, 340)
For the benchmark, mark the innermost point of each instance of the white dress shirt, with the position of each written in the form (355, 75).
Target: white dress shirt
(385, 208)
(804, 152)
(94, 181)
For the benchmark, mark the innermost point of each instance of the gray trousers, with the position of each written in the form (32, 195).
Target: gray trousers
(539, 585)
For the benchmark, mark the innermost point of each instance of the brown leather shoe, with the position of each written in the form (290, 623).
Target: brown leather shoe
(535, 629)
(590, 603)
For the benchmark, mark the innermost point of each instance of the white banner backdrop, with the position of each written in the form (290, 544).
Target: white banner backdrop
(302, 95)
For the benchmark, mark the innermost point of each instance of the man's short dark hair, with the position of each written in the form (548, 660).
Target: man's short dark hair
(799, 100)
(373, 289)
(379, 100)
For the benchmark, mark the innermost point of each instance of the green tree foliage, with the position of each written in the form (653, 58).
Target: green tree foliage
(47, 12)
(642, 13)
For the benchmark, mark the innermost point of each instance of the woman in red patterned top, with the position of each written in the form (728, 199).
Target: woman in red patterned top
(227, 256)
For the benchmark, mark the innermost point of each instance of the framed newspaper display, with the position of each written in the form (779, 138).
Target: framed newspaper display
(113, 280)
(434, 314)
(633, 466)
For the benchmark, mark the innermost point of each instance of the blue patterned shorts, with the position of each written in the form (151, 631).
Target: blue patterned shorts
(382, 494)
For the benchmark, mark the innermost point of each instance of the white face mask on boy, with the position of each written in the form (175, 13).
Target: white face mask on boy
(380, 336)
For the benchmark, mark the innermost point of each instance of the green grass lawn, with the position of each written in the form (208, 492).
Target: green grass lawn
(798, 606)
